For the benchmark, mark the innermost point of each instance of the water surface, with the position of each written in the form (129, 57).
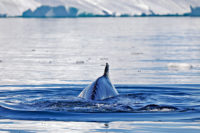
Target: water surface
(154, 64)
(139, 50)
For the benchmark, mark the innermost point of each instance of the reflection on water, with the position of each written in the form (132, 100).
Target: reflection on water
(85, 127)
(139, 50)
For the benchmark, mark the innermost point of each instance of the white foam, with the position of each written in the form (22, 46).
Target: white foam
(180, 66)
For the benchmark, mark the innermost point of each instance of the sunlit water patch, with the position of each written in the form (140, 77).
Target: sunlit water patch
(139, 50)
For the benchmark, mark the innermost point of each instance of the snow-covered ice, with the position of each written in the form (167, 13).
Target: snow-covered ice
(102, 7)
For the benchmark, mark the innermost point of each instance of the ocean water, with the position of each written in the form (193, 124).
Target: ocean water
(154, 65)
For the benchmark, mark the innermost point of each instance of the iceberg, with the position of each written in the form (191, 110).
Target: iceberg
(3, 15)
(17, 7)
(48, 11)
(195, 12)
(98, 8)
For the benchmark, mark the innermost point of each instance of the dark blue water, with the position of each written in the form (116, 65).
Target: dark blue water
(135, 102)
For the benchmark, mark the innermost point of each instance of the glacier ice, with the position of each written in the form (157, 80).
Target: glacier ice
(17, 7)
(100, 7)
(48, 11)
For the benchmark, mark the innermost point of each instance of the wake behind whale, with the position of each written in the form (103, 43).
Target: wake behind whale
(100, 89)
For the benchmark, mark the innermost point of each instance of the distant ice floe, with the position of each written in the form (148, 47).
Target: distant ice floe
(80, 62)
(180, 66)
(104, 58)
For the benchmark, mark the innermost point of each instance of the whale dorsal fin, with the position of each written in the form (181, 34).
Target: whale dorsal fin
(100, 89)
(106, 71)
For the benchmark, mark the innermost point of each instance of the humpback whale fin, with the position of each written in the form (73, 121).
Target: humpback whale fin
(100, 89)
(106, 71)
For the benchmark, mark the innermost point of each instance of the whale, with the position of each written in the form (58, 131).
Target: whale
(100, 89)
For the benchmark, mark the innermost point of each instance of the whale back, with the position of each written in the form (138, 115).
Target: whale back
(100, 89)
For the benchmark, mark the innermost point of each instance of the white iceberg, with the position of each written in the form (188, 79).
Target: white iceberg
(103, 7)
